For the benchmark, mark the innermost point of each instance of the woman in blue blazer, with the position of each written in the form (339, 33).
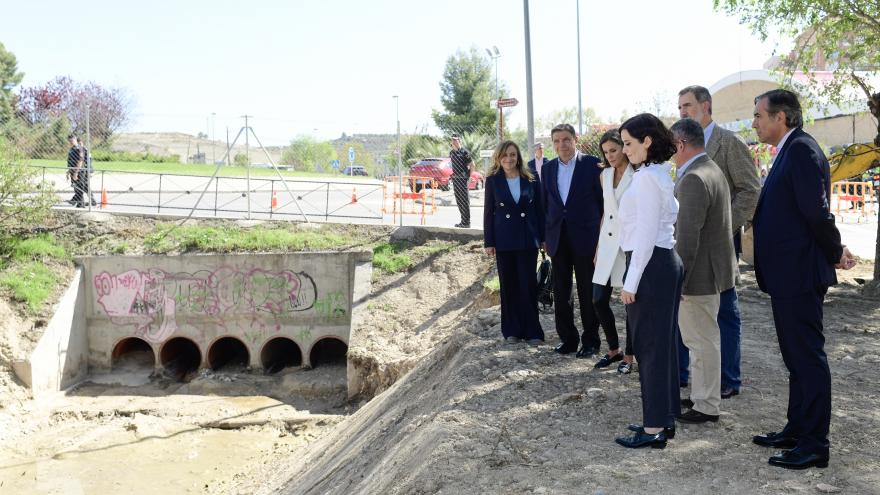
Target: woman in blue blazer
(513, 224)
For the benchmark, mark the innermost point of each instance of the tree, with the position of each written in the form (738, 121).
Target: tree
(108, 109)
(467, 88)
(844, 34)
(306, 153)
(24, 200)
(9, 78)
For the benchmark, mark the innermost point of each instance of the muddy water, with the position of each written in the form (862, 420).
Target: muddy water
(106, 439)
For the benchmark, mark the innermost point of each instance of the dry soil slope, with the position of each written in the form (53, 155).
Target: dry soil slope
(479, 416)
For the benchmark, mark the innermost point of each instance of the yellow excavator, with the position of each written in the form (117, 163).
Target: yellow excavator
(853, 161)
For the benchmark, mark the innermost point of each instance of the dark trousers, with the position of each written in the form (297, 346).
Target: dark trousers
(81, 189)
(652, 320)
(602, 306)
(798, 322)
(730, 325)
(459, 188)
(564, 263)
(519, 294)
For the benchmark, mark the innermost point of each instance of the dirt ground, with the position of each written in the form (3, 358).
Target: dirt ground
(455, 410)
(481, 416)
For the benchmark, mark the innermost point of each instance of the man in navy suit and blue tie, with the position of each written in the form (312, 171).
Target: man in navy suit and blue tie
(572, 194)
(797, 247)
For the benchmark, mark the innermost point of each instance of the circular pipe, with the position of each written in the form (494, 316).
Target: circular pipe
(228, 351)
(180, 357)
(132, 353)
(328, 351)
(280, 353)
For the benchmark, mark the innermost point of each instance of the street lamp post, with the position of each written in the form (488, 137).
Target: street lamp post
(399, 161)
(580, 108)
(530, 110)
(213, 141)
(494, 54)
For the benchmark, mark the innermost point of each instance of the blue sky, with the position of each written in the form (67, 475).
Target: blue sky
(321, 68)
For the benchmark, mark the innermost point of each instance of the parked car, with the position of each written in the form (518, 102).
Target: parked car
(440, 170)
(354, 170)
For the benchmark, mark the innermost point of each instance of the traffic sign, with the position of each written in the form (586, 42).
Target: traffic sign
(334, 164)
(506, 102)
(486, 153)
(351, 154)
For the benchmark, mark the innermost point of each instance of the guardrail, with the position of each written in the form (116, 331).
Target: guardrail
(144, 192)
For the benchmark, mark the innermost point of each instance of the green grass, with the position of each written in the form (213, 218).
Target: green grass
(493, 285)
(39, 247)
(166, 238)
(31, 283)
(389, 258)
(204, 170)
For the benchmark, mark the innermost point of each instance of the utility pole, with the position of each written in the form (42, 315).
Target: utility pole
(580, 107)
(399, 160)
(247, 154)
(213, 141)
(530, 112)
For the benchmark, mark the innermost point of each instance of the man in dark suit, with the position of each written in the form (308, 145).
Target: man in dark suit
(797, 247)
(536, 165)
(572, 194)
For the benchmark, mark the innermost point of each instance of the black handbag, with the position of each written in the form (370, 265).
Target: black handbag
(545, 285)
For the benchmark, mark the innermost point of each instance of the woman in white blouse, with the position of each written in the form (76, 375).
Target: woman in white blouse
(652, 283)
(610, 261)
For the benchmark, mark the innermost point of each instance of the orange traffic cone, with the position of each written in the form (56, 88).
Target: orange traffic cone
(354, 198)
(103, 198)
(274, 200)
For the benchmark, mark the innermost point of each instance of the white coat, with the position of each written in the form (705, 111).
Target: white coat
(610, 260)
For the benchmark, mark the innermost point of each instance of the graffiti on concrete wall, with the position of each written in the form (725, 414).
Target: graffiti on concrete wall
(154, 300)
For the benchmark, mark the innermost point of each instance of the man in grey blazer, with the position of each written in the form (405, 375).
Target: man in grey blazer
(704, 243)
(732, 155)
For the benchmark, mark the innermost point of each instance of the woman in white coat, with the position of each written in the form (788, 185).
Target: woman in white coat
(610, 261)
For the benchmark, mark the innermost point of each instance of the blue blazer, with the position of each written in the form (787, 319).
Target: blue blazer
(582, 212)
(534, 167)
(796, 242)
(509, 225)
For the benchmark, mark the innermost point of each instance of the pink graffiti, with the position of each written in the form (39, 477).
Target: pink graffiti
(153, 300)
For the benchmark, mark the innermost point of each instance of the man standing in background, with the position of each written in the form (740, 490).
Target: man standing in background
(538, 162)
(462, 166)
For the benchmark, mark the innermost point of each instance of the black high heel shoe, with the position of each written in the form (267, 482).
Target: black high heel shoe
(642, 439)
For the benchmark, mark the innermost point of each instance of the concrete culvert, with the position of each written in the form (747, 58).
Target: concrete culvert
(133, 354)
(328, 351)
(180, 357)
(228, 352)
(280, 353)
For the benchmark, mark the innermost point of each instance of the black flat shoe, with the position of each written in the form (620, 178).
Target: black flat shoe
(607, 360)
(776, 440)
(795, 459)
(564, 349)
(642, 439)
(687, 403)
(669, 430)
(695, 417)
(728, 392)
(586, 352)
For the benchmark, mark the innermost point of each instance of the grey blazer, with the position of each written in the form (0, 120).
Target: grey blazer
(702, 231)
(732, 156)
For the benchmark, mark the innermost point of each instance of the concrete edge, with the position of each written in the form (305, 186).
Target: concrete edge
(60, 358)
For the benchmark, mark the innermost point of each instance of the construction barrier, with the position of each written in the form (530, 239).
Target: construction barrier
(854, 197)
(416, 198)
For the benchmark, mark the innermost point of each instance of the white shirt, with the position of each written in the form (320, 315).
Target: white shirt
(707, 133)
(681, 169)
(648, 211)
(563, 176)
(780, 145)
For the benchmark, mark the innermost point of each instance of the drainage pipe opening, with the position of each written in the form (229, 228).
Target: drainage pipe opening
(180, 357)
(328, 351)
(228, 352)
(280, 353)
(133, 354)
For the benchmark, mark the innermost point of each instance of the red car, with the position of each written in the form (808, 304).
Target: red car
(440, 170)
